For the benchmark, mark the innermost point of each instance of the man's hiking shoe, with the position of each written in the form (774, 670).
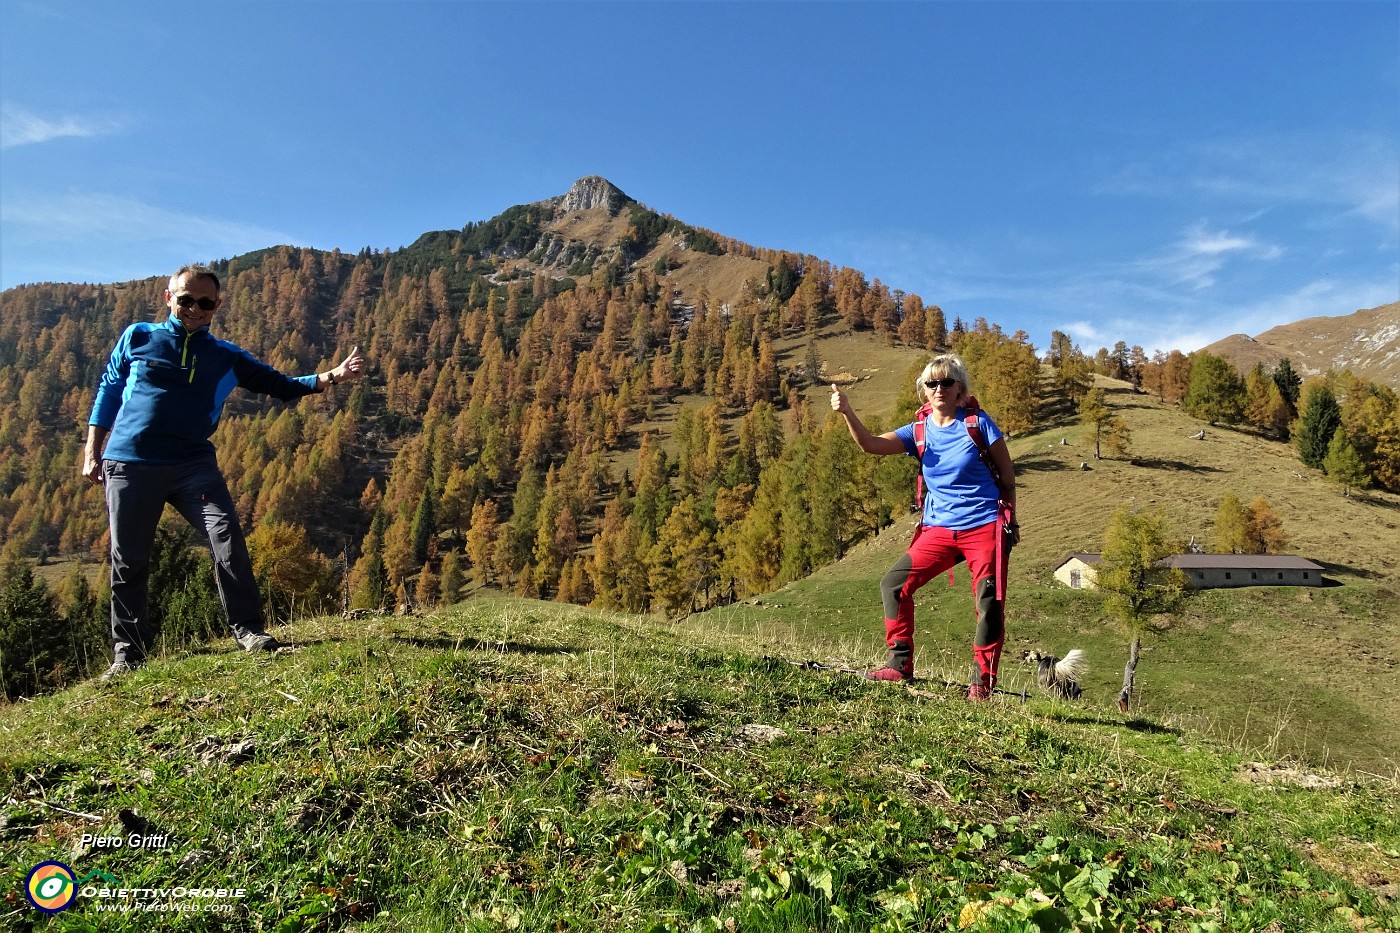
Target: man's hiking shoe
(978, 693)
(888, 674)
(120, 668)
(253, 642)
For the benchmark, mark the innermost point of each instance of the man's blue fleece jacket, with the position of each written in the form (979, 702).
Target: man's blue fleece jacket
(165, 388)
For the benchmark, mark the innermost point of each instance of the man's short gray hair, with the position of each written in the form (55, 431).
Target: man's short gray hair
(194, 270)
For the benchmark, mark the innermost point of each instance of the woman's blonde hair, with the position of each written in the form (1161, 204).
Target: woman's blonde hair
(943, 366)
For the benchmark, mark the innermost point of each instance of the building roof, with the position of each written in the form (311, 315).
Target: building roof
(1215, 561)
(1241, 562)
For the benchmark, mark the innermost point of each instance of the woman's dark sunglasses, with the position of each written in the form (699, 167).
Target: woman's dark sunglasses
(940, 383)
(205, 304)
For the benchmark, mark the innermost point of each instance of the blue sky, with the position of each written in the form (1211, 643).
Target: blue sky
(1161, 173)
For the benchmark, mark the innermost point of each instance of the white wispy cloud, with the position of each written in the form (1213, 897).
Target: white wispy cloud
(1156, 278)
(1202, 242)
(1082, 332)
(1184, 295)
(1312, 299)
(1200, 325)
(1200, 253)
(19, 127)
(1355, 176)
(87, 216)
(1376, 198)
(101, 233)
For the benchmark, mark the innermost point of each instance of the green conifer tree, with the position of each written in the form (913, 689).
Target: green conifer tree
(1288, 381)
(831, 492)
(684, 562)
(1216, 391)
(1344, 465)
(33, 650)
(87, 620)
(453, 581)
(754, 546)
(1102, 426)
(1320, 418)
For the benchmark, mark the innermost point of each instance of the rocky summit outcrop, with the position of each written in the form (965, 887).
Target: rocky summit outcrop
(593, 191)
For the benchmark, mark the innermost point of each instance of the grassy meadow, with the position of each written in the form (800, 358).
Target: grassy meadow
(505, 764)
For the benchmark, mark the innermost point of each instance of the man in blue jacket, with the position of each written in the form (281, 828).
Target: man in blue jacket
(148, 442)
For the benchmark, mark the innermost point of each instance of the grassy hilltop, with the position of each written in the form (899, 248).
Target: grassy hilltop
(506, 764)
(509, 764)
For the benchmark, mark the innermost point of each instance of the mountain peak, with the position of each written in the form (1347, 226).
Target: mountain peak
(593, 191)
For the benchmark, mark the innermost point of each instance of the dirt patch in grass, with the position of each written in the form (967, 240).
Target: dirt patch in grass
(1257, 772)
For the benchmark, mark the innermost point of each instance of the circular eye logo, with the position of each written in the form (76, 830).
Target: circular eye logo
(51, 887)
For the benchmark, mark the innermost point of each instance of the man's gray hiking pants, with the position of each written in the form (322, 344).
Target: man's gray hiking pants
(136, 496)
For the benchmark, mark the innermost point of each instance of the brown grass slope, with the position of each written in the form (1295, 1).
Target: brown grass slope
(1357, 537)
(1367, 342)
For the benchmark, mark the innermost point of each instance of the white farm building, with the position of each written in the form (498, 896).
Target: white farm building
(1208, 571)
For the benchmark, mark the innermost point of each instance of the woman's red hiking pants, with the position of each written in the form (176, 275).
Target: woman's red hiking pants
(934, 551)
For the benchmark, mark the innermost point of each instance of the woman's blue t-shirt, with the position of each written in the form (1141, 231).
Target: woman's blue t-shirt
(960, 492)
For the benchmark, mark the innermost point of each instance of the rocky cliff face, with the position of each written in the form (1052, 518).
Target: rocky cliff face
(591, 192)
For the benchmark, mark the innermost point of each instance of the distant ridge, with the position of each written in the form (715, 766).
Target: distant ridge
(1367, 342)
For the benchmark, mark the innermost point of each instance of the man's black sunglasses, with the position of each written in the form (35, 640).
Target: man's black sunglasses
(940, 383)
(205, 304)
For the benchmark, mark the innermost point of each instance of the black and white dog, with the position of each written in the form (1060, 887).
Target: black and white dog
(1059, 676)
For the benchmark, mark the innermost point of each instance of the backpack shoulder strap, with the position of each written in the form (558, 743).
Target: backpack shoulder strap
(921, 428)
(974, 430)
(920, 442)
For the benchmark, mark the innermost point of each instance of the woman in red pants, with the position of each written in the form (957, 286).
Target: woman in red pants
(968, 514)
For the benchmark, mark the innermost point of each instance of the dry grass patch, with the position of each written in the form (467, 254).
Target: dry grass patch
(595, 226)
(724, 278)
